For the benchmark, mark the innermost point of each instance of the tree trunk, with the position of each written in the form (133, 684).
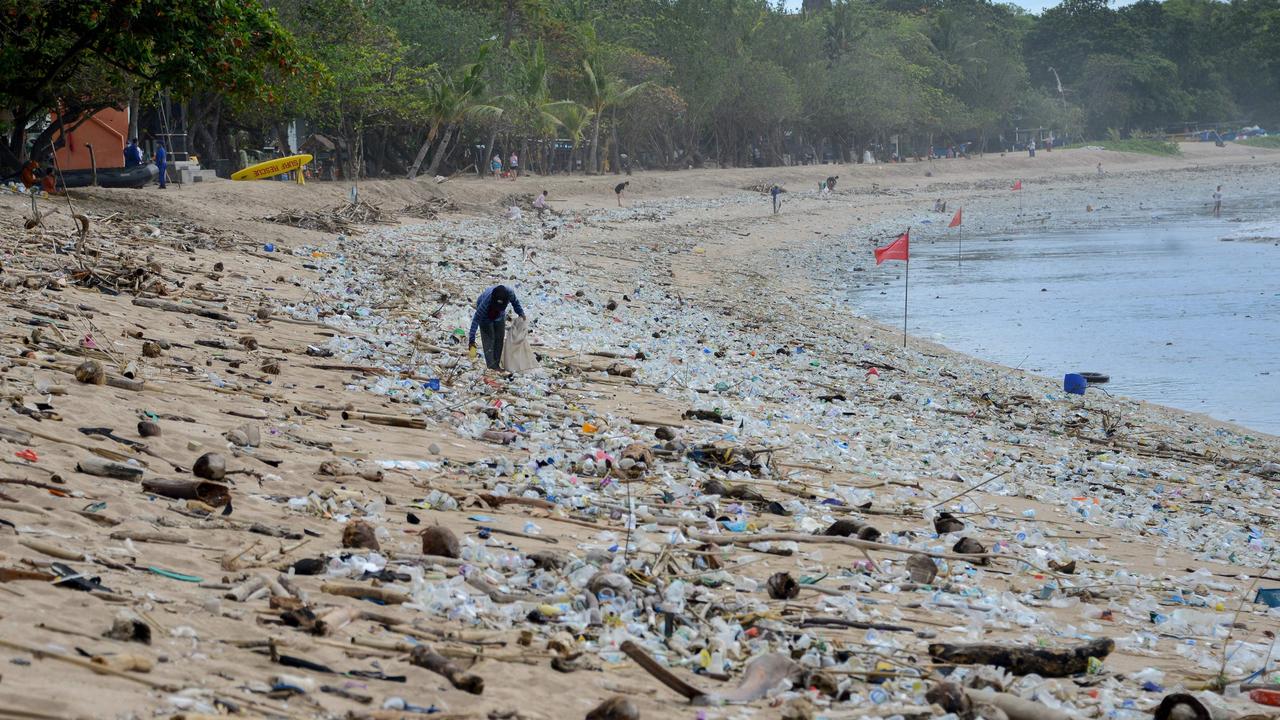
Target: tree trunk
(508, 23)
(133, 114)
(488, 152)
(422, 151)
(595, 144)
(441, 151)
(613, 130)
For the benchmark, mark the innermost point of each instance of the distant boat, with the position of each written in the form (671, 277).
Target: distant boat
(134, 177)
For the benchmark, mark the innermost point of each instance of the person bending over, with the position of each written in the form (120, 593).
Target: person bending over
(491, 319)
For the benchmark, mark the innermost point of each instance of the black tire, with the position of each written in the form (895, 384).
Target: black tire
(1094, 378)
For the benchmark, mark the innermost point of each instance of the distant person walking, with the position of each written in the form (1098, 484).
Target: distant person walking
(162, 163)
(514, 165)
(1217, 202)
(1031, 149)
(490, 319)
(617, 190)
(132, 154)
(775, 191)
(495, 165)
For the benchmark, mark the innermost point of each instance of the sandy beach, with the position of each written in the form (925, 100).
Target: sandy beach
(693, 311)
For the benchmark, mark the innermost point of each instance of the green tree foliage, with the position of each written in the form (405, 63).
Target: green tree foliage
(671, 83)
(84, 55)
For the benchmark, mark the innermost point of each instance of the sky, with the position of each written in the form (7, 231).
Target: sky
(1033, 6)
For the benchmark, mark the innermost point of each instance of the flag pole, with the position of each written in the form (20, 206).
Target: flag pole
(960, 249)
(906, 290)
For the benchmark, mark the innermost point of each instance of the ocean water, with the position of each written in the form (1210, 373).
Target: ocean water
(1175, 306)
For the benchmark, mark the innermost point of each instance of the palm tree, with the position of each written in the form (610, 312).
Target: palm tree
(527, 103)
(450, 100)
(604, 93)
(573, 117)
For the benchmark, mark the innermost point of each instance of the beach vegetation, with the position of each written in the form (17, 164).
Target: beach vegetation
(439, 86)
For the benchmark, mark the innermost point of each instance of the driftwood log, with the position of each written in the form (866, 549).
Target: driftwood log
(964, 701)
(1046, 662)
(390, 420)
(425, 657)
(170, 306)
(390, 597)
(210, 493)
(761, 675)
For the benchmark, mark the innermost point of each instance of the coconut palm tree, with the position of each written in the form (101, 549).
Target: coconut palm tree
(526, 104)
(574, 118)
(449, 100)
(603, 93)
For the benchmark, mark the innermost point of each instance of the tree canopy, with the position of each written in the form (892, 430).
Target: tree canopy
(414, 85)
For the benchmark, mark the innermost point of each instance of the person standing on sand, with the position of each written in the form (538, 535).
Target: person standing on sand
(495, 165)
(775, 191)
(491, 319)
(162, 163)
(1031, 149)
(132, 154)
(1217, 202)
(514, 165)
(617, 190)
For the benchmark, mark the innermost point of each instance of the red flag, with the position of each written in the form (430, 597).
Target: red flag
(897, 250)
(1017, 185)
(955, 221)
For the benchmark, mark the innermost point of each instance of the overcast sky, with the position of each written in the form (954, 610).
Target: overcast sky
(1034, 6)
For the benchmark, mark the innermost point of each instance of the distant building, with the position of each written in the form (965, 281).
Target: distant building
(816, 5)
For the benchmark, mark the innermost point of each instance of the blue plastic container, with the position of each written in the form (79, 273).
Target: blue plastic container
(1074, 383)
(1268, 596)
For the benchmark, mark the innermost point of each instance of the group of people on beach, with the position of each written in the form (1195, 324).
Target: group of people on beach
(513, 166)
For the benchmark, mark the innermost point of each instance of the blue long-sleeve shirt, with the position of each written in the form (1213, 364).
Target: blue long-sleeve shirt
(490, 310)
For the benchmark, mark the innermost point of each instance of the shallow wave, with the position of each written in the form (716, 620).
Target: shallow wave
(1253, 232)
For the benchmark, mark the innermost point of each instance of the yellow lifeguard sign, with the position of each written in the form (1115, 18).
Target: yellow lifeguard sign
(271, 168)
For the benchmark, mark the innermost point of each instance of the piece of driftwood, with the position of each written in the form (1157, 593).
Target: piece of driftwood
(748, 538)
(1015, 707)
(391, 597)
(391, 420)
(856, 624)
(242, 591)
(51, 550)
(170, 306)
(963, 701)
(107, 468)
(761, 675)
(425, 657)
(210, 493)
(150, 536)
(1021, 660)
(660, 671)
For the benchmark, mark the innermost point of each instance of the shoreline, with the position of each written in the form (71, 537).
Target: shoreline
(1131, 213)
(731, 311)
